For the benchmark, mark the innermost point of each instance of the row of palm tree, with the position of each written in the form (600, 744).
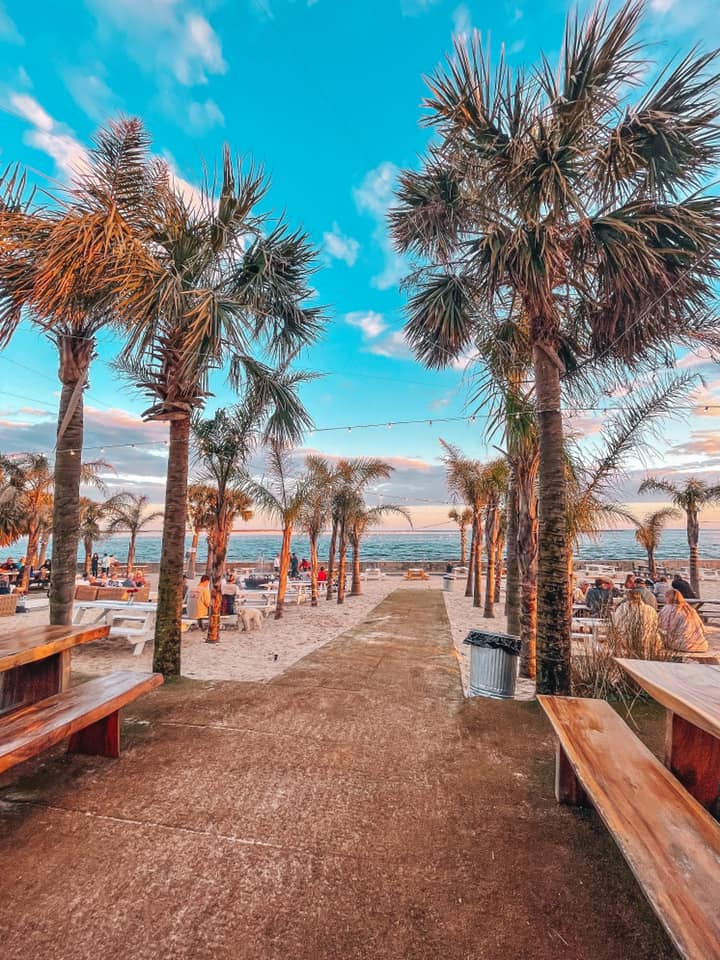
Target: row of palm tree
(564, 203)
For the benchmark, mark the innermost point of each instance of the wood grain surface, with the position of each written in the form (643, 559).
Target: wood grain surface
(39, 726)
(36, 643)
(691, 690)
(670, 842)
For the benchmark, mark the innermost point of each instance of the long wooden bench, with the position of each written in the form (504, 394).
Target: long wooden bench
(87, 714)
(671, 843)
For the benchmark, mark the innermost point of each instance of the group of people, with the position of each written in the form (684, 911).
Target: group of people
(296, 566)
(647, 609)
(103, 566)
(17, 568)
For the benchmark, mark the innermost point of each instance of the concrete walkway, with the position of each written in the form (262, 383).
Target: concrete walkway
(356, 807)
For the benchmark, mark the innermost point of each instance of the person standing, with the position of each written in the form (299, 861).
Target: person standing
(276, 563)
(229, 590)
(94, 564)
(294, 566)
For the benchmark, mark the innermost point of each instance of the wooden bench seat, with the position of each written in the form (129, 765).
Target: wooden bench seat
(671, 843)
(87, 714)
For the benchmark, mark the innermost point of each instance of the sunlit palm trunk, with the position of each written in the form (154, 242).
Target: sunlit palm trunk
(331, 558)
(463, 544)
(651, 561)
(88, 545)
(219, 553)
(512, 578)
(693, 535)
(284, 569)
(356, 588)
(209, 558)
(477, 565)
(471, 565)
(491, 535)
(342, 561)
(500, 546)
(74, 363)
(527, 550)
(193, 554)
(313, 571)
(553, 621)
(30, 557)
(131, 554)
(44, 546)
(166, 654)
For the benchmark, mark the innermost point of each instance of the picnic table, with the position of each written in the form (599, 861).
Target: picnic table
(38, 708)
(117, 614)
(690, 692)
(415, 573)
(699, 604)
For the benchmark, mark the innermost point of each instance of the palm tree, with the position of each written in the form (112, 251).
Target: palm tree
(465, 479)
(199, 511)
(66, 265)
(649, 530)
(462, 518)
(316, 512)
(224, 285)
(361, 519)
(92, 514)
(494, 480)
(129, 512)
(690, 496)
(550, 190)
(29, 490)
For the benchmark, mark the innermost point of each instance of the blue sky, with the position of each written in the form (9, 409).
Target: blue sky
(325, 94)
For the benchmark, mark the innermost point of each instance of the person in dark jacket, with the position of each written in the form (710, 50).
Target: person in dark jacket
(682, 586)
(598, 597)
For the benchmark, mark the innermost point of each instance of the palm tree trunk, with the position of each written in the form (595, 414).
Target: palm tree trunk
(651, 561)
(491, 525)
(477, 566)
(284, 569)
(75, 359)
(512, 580)
(471, 564)
(553, 623)
(193, 554)
(499, 548)
(693, 536)
(88, 545)
(166, 653)
(331, 558)
(43, 548)
(342, 561)
(463, 544)
(222, 535)
(30, 557)
(131, 553)
(209, 559)
(527, 568)
(356, 588)
(313, 570)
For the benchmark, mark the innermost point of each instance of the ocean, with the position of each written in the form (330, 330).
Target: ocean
(413, 547)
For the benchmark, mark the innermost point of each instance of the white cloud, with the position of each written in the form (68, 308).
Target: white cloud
(8, 31)
(49, 136)
(198, 52)
(394, 345)
(411, 8)
(204, 116)
(337, 246)
(374, 196)
(91, 93)
(371, 323)
(462, 22)
(661, 6)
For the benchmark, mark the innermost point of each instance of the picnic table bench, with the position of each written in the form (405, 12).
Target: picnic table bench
(37, 708)
(117, 614)
(414, 573)
(670, 842)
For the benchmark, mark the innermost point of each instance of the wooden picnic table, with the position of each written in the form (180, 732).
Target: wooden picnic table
(35, 662)
(140, 612)
(690, 692)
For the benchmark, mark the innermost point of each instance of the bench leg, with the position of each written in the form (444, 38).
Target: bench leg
(568, 788)
(34, 681)
(694, 757)
(101, 738)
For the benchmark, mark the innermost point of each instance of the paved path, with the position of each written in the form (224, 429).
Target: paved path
(356, 807)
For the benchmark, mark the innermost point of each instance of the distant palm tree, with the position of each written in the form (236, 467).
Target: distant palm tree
(200, 502)
(649, 531)
(690, 496)
(558, 191)
(92, 514)
(494, 481)
(129, 512)
(28, 492)
(316, 512)
(462, 518)
(361, 519)
(464, 478)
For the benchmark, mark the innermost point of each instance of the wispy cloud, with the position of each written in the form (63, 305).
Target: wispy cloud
(412, 8)
(374, 196)
(8, 31)
(90, 92)
(661, 6)
(49, 136)
(338, 246)
(462, 22)
(203, 116)
(371, 324)
(394, 345)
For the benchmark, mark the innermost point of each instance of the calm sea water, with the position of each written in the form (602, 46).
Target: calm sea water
(250, 548)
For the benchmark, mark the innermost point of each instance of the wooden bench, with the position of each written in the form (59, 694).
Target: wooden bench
(670, 842)
(88, 714)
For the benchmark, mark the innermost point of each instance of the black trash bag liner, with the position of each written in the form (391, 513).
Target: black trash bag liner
(499, 641)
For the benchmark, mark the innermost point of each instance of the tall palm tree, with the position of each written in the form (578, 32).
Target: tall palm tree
(465, 479)
(199, 510)
(67, 266)
(555, 191)
(29, 488)
(92, 515)
(494, 480)
(361, 519)
(690, 496)
(649, 531)
(224, 285)
(462, 518)
(129, 513)
(316, 512)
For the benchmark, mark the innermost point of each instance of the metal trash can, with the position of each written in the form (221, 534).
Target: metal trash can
(448, 581)
(494, 660)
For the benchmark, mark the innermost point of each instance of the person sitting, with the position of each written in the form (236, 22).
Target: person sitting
(635, 621)
(598, 597)
(629, 582)
(646, 593)
(322, 575)
(229, 590)
(680, 625)
(5, 585)
(139, 579)
(304, 565)
(201, 596)
(680, 584)
(580, 591)
(660, 589)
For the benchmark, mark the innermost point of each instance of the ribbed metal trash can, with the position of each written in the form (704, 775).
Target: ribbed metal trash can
(448, 581)
(493, 664)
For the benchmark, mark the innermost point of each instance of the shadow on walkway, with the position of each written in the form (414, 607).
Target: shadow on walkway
(356, 807)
